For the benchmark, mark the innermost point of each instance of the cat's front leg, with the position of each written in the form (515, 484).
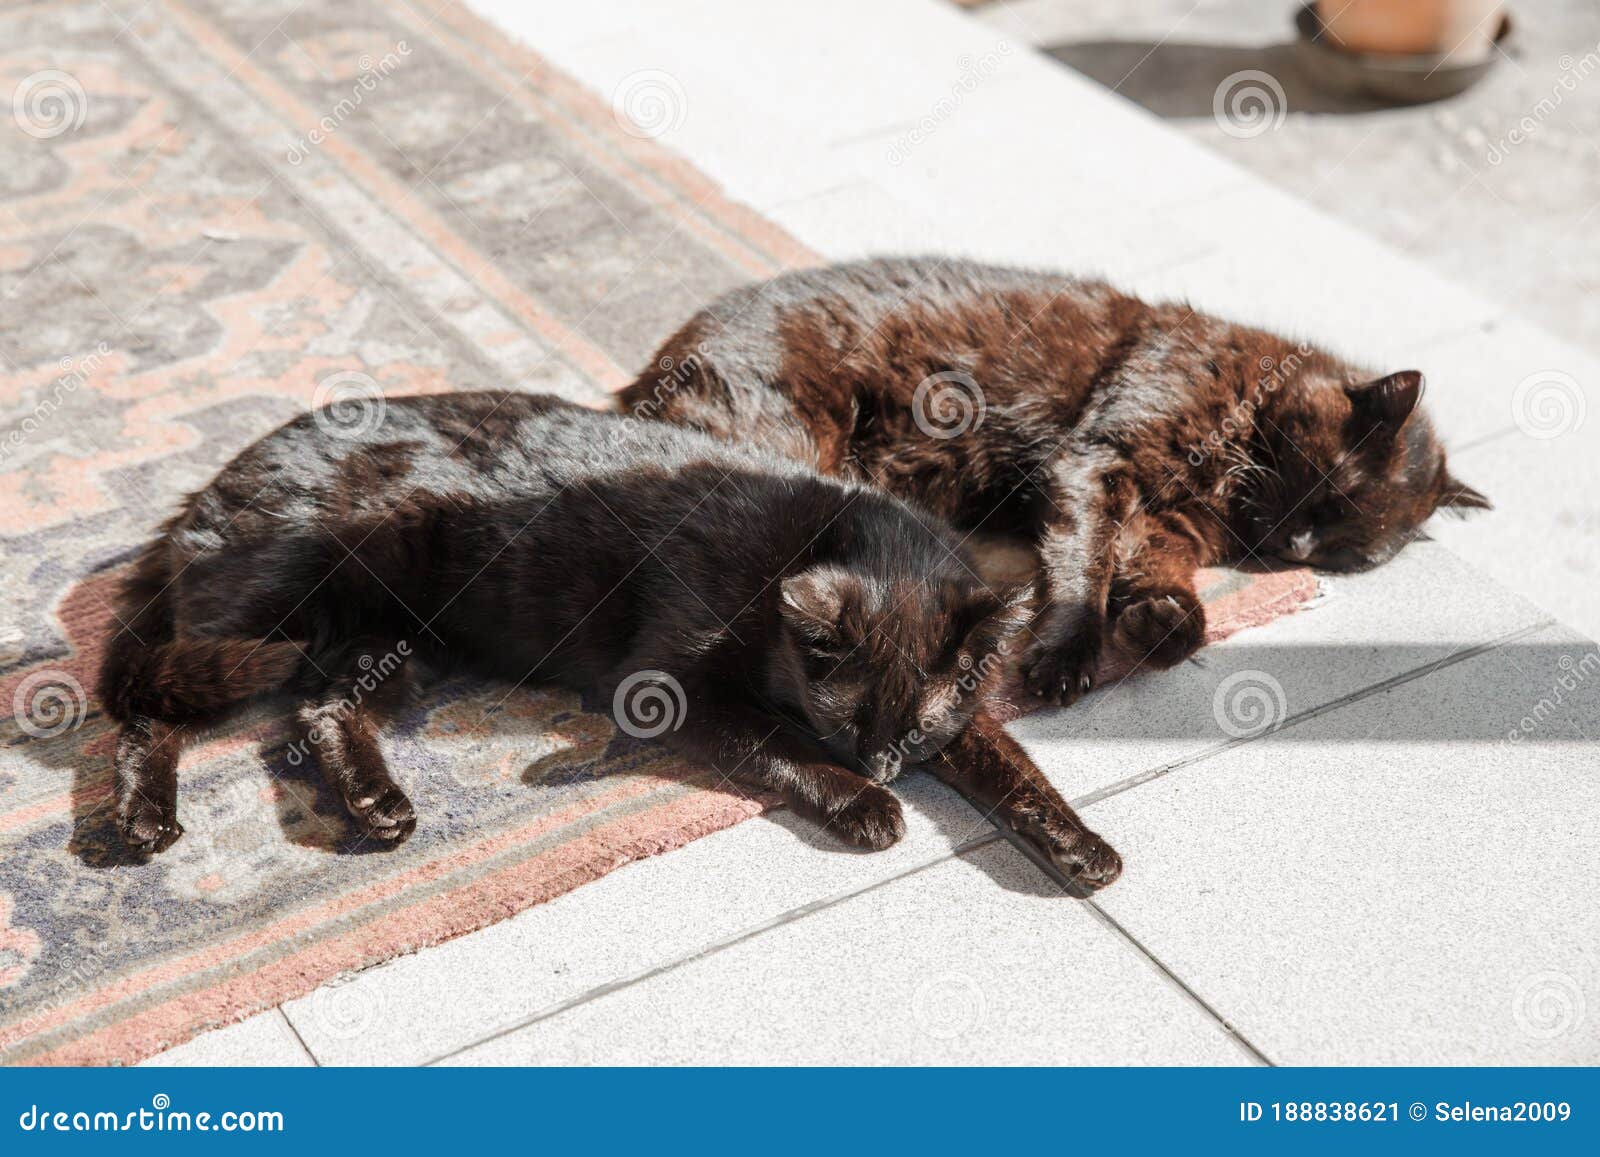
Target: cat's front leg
(1161, 629)
(1061, 665)
(749, 746)
(993, 771)
(1158, 619)
(1069, 633)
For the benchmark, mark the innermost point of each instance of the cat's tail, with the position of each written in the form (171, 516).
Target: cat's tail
(187, 680)
(148, 673)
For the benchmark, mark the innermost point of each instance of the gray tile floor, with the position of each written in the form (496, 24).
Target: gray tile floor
(1386, 875)
(1439, 181)
(1391, 881)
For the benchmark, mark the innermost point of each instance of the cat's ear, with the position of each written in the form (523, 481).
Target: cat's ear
(1387, 401)
(815, 602)
(1457, 495)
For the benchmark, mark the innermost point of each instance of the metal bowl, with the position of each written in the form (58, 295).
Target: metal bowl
(1402, 78)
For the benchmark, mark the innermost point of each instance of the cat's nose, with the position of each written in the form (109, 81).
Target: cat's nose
(1301, 545)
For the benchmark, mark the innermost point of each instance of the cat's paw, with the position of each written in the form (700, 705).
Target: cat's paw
(148, 828)
(1086, 860)
(384, 813)
(1162, 631)
(1062, 675)
(871, 818)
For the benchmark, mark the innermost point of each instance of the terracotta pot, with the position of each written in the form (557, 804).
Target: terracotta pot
(1462, 31)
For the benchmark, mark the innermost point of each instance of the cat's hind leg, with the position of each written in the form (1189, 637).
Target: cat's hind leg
(145, 784)
(339, 723)
(158, 686)
(159, 692)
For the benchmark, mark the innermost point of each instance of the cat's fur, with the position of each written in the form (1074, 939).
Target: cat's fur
(1134, 442)
(805, 635)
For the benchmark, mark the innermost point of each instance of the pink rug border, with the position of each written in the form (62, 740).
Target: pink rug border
(485, 901)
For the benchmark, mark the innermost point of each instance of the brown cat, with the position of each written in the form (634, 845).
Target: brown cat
(1134, 442)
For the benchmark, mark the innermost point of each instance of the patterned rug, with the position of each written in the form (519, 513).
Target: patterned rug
(214, 215)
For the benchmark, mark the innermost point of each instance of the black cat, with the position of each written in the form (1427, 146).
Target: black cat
(799, 633)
